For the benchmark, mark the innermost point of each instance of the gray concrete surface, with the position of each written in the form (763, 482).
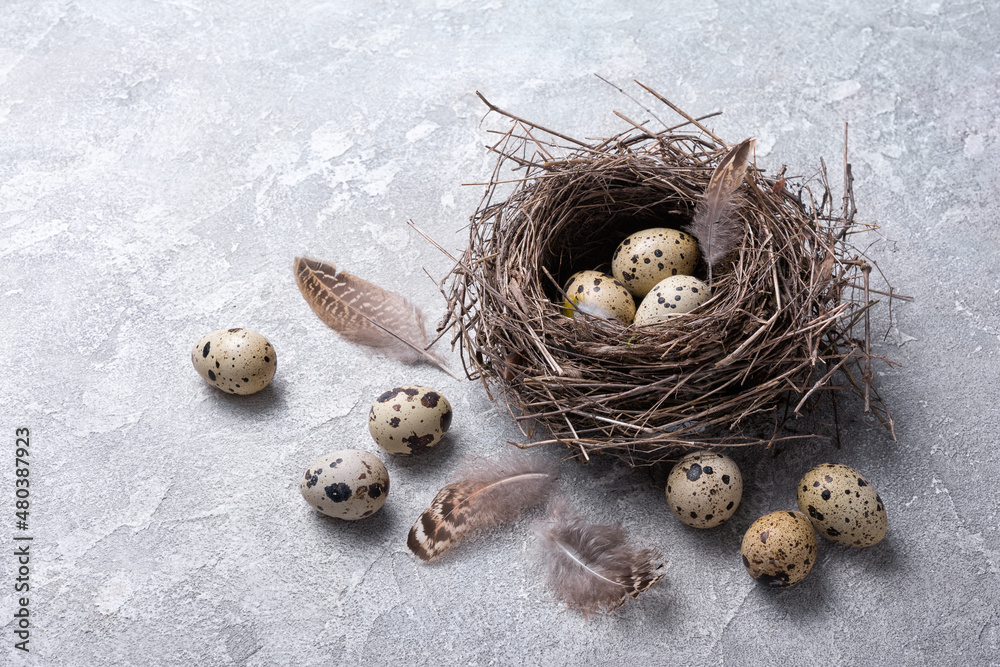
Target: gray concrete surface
(161, 163)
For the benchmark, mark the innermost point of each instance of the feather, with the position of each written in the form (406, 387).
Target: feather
(591, 566)
(364, 313)
(716, 230)
(486, 494)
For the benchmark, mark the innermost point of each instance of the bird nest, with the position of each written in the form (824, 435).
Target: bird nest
(788, 322)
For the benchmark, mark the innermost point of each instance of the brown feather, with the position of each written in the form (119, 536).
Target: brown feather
(592, 567)
(364, 313)
(716, 230)
(487, 494)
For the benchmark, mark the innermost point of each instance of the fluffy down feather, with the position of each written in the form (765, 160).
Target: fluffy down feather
(591, 567)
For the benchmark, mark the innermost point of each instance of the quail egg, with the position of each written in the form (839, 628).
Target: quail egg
(598, 294)
(842, 505)
(779, 549)
(671, 297)
(239, 361)
(704, 489)
(409, 419)
(647, 257)
(348, 484)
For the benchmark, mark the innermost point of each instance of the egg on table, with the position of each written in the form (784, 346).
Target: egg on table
(842, 505)
(409, 419)
(704, 489)
(779, 549)
(647, 257)
(671, 297)
(238, 361)
(347, 484)
(598, 294)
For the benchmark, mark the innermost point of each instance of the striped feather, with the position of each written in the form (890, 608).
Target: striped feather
(487, 494)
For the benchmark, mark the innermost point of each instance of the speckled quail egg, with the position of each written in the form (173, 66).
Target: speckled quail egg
(704, 489)
(779, 549)
(842, 505)
(671, 297)
(348, 484)
(409, 419)
(238, 361)
(647, 257)
(598, 294)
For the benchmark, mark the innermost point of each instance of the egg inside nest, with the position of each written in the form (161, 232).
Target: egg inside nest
(671, 297)
(598, 294)
(650, 255)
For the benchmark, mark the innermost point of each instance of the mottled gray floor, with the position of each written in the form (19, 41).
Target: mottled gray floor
(161, 163)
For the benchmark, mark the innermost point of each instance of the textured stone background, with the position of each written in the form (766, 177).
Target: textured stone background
(161, 163)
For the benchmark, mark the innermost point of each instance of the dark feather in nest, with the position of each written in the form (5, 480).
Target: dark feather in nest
(487, 493)
(592, 567)
(718, 233)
